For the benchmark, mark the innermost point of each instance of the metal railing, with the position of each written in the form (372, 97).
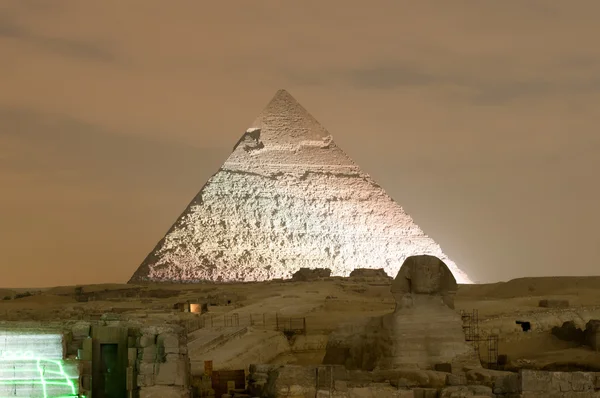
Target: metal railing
(272, 321)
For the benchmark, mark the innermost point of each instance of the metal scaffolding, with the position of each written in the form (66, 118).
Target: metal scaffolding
(473, 335)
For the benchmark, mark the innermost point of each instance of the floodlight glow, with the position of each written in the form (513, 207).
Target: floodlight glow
(287, 198)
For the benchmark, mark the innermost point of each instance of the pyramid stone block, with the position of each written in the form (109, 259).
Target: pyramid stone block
(287, 198)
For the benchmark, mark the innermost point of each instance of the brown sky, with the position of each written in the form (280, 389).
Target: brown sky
(480, 117)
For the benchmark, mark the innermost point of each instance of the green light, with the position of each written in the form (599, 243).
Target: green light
(17, 372)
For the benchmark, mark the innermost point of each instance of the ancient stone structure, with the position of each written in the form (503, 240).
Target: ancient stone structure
(369, 273)
(423, 331)
(307, 274)
(336, 381)
(287, 198)
(146, 360)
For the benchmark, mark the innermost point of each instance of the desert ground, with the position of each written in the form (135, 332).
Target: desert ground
(240, 326)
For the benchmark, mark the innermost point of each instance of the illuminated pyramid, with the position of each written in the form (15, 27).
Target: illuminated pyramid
(287, 198)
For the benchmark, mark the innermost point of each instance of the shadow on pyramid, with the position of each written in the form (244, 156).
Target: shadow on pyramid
(287, 198)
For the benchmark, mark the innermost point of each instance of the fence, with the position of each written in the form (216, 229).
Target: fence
(262, 320)
(290, 325)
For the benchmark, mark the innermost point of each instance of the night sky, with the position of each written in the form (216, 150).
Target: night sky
(480, 118)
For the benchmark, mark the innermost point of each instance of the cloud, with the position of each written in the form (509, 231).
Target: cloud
(11, 29)
(65, 150)
(390, 76)
(485, 87)
(489, 75)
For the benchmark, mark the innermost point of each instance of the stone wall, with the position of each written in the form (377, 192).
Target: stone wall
(162, 363)
(335, 381)
(540, 384)
(158, 362)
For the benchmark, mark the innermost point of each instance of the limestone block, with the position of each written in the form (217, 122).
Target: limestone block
(132, 356)
(466, 391)
(535, 381)
(262, 368)
(510, 383)
(561, 381)
(454, 380)
(291, 379)
(369, 273)
(171, 373)
(174, 357)
(582, 381)
(553, 303)
(170, 342)
(327, 373)
(145, 368)
(502, 382)
(409, 378)
(552, 394)
(378, 391)
(164, 392)
(81, 330)
(425, 393)
(148, 353)
(340, 385)
(145, 380)
(481, 391)
(146, 340)
(159, 329)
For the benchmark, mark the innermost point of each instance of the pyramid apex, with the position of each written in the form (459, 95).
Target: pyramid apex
(285, 120)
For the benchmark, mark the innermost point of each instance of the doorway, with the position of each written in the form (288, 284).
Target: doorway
(110, 383)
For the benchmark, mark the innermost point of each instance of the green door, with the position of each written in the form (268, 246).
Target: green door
(112, 379)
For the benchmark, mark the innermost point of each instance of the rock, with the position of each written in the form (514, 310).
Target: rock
(592, 334)
(553, 303)
(307, 274)
(294, 198)
(369, 273)
(499, 381)
(569, 332)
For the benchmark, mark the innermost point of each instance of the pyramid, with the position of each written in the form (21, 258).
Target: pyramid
(287, 198)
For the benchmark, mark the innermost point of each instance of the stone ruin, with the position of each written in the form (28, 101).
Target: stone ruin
(335, 381)
(589, 336)
(307, 274)
(423, 331)
(286, 198)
